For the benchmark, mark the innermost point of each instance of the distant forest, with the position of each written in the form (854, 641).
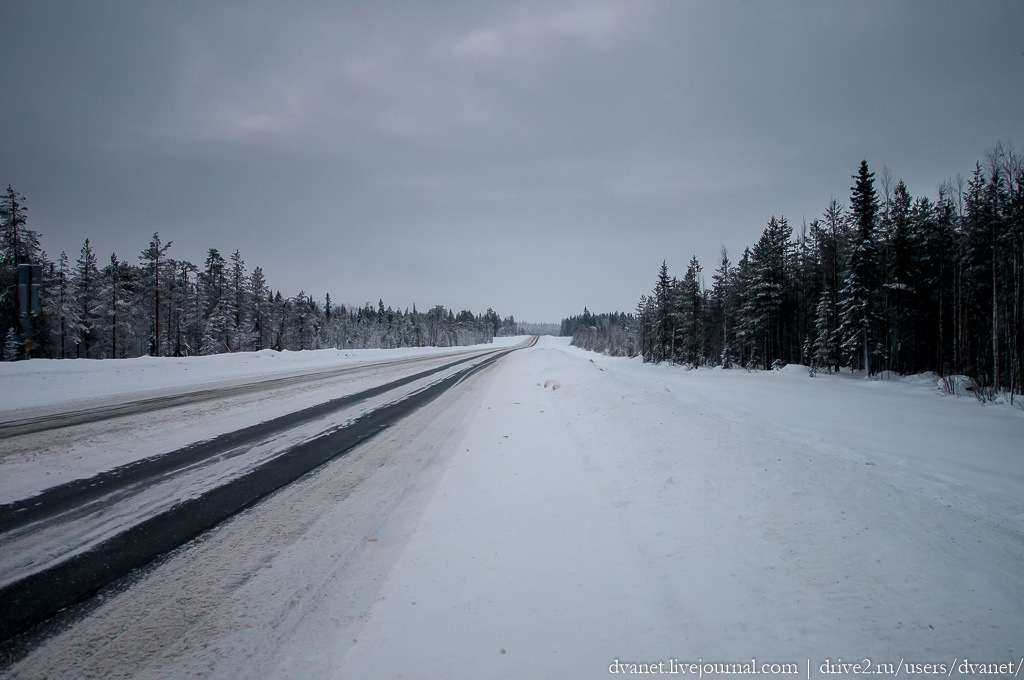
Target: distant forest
(166, 307)
(887, 283)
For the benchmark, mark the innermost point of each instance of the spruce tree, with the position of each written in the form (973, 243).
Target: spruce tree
(18, 245)
(238, 303)
(11, 346)
(858, 310)
(217, 310)
(65, 310)
(900, 280)
(721, 308)
(87, 295)
(692, 308)
(768, 285)
(259, 312)
(663, 334)
(152, 261)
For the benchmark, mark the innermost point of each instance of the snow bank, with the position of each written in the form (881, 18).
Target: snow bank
(49, 382)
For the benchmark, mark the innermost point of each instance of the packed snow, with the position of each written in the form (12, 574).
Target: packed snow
(43, 385)
(32, 463)
(583, 513)
(646, 513)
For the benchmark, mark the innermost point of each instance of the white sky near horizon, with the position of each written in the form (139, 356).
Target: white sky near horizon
(532, 157)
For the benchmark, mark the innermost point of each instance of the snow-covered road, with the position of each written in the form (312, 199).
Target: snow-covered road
(250, 388)
(564, 510)
(60, 546)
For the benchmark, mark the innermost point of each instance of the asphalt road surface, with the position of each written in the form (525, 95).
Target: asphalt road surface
(67, 543)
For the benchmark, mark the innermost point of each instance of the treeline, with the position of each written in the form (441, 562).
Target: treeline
(614, 334)
(888, 283)
(167, 307)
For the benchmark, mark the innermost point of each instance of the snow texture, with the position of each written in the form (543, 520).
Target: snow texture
(570, 509)
(648, 513)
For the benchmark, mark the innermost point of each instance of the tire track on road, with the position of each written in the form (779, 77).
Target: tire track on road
(31, 425)
(38, 596)
(68, 496)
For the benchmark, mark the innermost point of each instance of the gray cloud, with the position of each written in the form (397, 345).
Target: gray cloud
(533, 157)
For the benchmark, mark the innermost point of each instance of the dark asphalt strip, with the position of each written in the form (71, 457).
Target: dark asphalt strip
(39, 596)
(74, 494)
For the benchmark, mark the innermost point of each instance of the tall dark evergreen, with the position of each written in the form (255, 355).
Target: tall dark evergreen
(858, 308)
(237, 303)
(152, 259)
(87, 296)
(721, 310)
(62, 308)
(18, 245)
(664, 332)
(768, 288)
(691, 312)
(115, 306)
(216, 306)
(259, 310)
(899, 287)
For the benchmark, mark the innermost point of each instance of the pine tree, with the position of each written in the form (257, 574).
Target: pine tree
(12, 348)
(664, 332)
(151, 259)
(824, 349)
(87, 297)
(279, 319)
(722, 308)
(1015, 271)
(259, 314)
(18, 245)
(744, 283)
(692, 308)
(806, 284)
(114, 308)
(831, 242)
(238, 303)
(858, 309)
(901, 273)
(768, 286)
(217, 312)
(65, 311)
(183, 307)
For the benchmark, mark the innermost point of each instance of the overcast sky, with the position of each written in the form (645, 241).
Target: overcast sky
(533, 157)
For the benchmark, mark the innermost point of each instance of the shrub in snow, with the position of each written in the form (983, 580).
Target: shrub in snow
(958, 385)
(11, 346)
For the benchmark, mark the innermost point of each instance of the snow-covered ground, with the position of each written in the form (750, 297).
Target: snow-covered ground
(43, 385)
(31, 463)
(571, 511)
(647, 513)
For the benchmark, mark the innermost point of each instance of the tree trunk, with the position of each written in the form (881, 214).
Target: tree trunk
(867, 356)
(995, 325)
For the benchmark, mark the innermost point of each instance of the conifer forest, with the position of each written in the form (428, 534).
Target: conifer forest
(161, 306)
(888, 282)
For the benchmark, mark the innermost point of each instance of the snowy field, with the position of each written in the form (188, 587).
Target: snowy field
(573, 514)
(647, 513)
